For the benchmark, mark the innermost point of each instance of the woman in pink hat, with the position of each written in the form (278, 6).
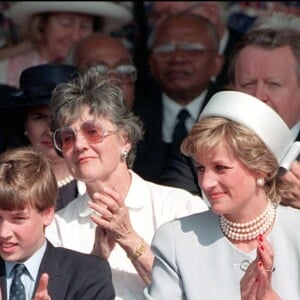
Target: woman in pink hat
(52, 28)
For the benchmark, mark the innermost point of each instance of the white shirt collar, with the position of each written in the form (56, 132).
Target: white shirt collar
(170, 112)
(295, 130)
(32, 263)
(224, 41)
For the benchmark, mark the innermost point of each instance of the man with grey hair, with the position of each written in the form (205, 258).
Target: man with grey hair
(113, 59)
(184, 58)
(266, 64)
(215, 11)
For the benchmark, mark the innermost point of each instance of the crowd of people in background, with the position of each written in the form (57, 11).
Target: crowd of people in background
(135, 108)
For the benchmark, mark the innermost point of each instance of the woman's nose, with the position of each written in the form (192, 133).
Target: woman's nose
(207, 180)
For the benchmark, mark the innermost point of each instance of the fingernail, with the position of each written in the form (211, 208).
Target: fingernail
(262, 248)
(260, 264)
(260, 237)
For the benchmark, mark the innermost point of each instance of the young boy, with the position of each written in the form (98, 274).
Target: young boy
(28, 192)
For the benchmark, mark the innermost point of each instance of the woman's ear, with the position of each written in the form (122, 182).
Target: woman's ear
(126, 144)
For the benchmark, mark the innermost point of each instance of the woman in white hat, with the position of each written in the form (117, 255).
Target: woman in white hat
(52, 28)
(238, 145)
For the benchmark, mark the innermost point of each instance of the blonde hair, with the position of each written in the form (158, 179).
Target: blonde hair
(26, 178)
(247, 147)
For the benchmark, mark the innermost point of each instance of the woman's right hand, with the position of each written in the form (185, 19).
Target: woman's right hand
(256, 283)
(103, 243)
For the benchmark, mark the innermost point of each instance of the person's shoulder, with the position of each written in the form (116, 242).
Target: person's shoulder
(17, 50)
(288, 214)
(203, 225)
(166, 200)
(83, 260)
(73, 208)
(170, 191)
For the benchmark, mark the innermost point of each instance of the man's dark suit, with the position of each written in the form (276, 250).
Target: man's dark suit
(158, 161)
(72, 275)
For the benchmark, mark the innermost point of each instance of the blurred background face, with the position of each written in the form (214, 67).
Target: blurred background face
(162, 9)
(38, 131)
(63, 30)
(272, 78)
(111, 53)
(184, 74)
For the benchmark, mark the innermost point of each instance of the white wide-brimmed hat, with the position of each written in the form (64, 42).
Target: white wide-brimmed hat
(115, 15)
(258, 116)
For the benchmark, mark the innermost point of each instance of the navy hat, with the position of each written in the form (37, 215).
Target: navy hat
(37, 83)
(6, 96)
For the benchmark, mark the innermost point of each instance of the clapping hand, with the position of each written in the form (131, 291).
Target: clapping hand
(112, 217)
(256, 284)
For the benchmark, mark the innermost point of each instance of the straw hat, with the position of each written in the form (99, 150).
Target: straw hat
(258, 116)
(115, 15)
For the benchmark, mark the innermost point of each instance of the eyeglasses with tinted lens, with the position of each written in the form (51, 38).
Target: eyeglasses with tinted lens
(188, 48)
(64, 138)
(125, 73)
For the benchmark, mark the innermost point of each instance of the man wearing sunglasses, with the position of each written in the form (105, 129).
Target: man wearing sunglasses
(184, 59)
(112, 58)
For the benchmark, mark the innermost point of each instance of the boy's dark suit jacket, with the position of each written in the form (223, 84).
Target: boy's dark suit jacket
(72, 275)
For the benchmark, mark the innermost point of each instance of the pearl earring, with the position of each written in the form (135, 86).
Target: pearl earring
(26, 133)
(260, 182)
(124, 155)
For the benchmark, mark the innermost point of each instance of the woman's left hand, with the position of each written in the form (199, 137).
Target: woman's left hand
(256, 283)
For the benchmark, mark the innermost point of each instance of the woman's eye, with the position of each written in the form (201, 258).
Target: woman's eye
(221, 168)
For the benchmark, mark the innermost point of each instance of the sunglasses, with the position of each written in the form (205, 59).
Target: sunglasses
(125, 73)
(64, 138)
(188, 48)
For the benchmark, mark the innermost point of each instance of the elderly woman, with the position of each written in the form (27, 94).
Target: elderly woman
(204, 256)
(97, 135)
(52, 28)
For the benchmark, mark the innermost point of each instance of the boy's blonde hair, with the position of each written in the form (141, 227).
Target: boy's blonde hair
(26, 178)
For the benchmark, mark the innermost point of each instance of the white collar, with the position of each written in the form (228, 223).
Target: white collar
(171, 109)
(224, 41)
(295, 130)
(32, 263)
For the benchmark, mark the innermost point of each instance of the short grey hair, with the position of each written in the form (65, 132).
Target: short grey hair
(103, 98)
(212, 31)
(267, 39)
(276, 20)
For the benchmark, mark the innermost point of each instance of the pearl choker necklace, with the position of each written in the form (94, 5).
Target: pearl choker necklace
(63, 182)
(249, 230)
